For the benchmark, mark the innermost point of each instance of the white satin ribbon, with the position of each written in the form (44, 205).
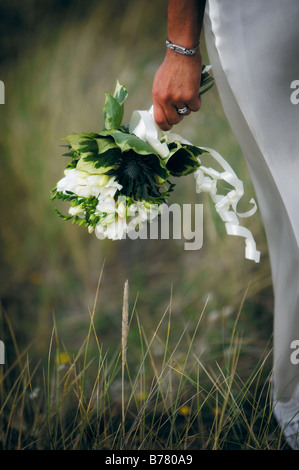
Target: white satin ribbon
(143, 125)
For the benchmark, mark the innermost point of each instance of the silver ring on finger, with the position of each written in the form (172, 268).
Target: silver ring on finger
(183, 110)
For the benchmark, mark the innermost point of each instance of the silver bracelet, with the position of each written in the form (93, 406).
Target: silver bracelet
(182, 50)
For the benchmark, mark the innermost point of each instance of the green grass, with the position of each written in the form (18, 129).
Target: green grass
(171, 394)
(191, 379)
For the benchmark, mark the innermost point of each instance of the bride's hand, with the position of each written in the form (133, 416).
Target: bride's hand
(176, 85)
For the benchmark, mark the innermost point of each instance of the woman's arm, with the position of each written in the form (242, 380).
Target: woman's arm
(176, 83)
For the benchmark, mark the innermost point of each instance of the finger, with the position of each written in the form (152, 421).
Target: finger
(160, 117)
(183, 107)
(172, 115)
(194, 104)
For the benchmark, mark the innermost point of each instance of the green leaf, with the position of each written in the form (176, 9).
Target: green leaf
(108, 155)
(114, 107)
(105, 143)
(131, 143)
(113, 112)
(126, 142)
(120, 93)
(89, 166)
(64, 217)
(182, 159)
(106, 161)
(82, 142)
(69, 154)
(206, 82)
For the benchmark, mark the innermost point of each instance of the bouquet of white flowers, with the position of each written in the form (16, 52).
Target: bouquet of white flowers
(119, 178)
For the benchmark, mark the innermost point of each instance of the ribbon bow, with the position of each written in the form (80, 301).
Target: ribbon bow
(143, 125)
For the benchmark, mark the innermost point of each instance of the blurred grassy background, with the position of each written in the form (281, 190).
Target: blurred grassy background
(57, 60)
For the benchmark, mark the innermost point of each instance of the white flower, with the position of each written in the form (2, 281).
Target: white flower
(116, 218)
(69, 182)
(140, 212)
(84, 184)
(110, 188)
(117, 229)
(76, 210)
(114, 229)
(113, 224)
(121, 210)
(100, 231)
(106, 205)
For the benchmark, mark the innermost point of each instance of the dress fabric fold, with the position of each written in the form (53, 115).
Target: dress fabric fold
(253, 49)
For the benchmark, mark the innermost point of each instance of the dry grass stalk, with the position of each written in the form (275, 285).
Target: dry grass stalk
(124, 342)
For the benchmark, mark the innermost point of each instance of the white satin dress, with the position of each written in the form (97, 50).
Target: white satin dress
(253, 48)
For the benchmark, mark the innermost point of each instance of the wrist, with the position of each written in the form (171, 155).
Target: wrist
(181, 48)
(174, 56)
(185, 18)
